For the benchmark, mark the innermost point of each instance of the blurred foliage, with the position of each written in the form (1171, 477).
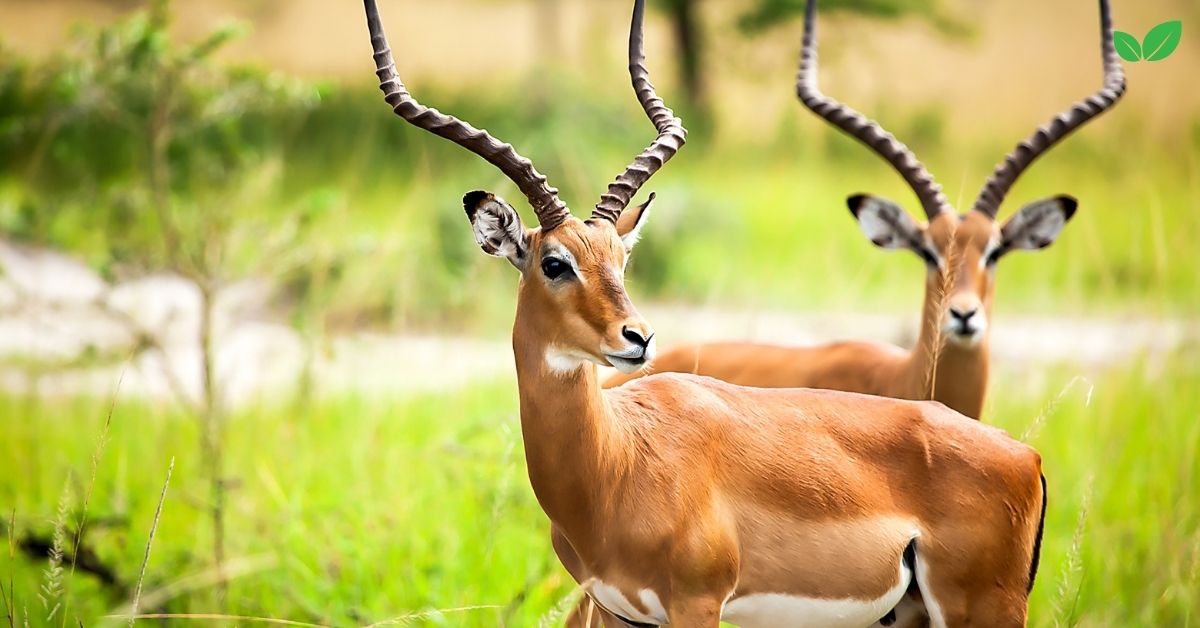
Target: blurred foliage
(322, 191)
(144, 154)
(768, 13)
(691, 45)
(129, 145)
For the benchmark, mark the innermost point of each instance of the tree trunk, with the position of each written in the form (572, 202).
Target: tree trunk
(685, 23)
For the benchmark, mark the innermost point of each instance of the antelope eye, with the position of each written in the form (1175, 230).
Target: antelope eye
(554, 268)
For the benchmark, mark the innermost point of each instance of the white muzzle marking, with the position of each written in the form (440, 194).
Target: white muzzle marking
(966, 333)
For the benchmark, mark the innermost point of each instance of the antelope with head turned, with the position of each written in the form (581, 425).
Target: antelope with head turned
(949, 362)
(684, 500)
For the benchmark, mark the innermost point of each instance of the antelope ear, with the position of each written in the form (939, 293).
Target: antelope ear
(497, 226)
(1037, 225)
(888, 226)
(629, 223)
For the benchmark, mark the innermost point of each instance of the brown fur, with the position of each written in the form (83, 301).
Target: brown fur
(698, 489)
(958, 375)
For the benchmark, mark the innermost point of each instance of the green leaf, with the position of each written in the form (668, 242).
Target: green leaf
(1161, 41)
(1127, 46)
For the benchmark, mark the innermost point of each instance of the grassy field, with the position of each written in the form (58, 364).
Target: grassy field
(360, 510)
(356, 511)
(351, 511)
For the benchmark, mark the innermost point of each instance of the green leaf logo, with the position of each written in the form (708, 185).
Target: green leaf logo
(1127, 46)
(1158, 44)
(1162, 40)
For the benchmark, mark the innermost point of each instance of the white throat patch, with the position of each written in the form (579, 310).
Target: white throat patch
(562, 361)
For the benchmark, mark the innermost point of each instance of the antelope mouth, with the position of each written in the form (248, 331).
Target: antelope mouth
(626, 364)
(631, 359)
(635, 355)
(965, 336)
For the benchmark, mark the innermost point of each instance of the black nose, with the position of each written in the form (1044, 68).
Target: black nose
(635, 337)
(963, 316)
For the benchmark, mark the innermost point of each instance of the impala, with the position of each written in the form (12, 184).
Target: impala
(949, 362)
(684, 500)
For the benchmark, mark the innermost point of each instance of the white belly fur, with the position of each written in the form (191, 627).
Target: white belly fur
(614, 601)
(768, 610)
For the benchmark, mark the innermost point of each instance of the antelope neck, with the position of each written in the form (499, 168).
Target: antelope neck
(570, 433)
(960, 374)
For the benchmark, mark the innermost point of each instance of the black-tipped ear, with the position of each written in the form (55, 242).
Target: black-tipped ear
(472, 200)
(497, 226)
(855, 203)
(888, 226)
(1037, 225)
(1069, 204)
(629, 223)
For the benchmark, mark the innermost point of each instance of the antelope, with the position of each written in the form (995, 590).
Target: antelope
(684, 500)
(949, 362)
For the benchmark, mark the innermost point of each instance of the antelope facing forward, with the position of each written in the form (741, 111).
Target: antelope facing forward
(685, 500)
(950, 360)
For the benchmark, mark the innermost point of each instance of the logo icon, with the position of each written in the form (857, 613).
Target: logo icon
(1158, 44)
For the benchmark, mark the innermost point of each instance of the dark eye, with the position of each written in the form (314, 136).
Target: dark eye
(554, 268)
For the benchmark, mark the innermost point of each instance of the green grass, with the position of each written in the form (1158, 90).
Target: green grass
(352, 511)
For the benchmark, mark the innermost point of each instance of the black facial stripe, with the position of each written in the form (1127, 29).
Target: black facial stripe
(914, 243)
(997, 252)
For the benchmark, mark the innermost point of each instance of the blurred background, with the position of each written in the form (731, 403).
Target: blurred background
(221, 253)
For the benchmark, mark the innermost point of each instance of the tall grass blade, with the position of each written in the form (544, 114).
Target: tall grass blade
(1071, 584)
(137, 593)
(52, 587)
(554, 616)
(209, 617)
(87, 492)
(1048, 409)
(434, 613)
(945, 284)
(207, 578)
(10, 608)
